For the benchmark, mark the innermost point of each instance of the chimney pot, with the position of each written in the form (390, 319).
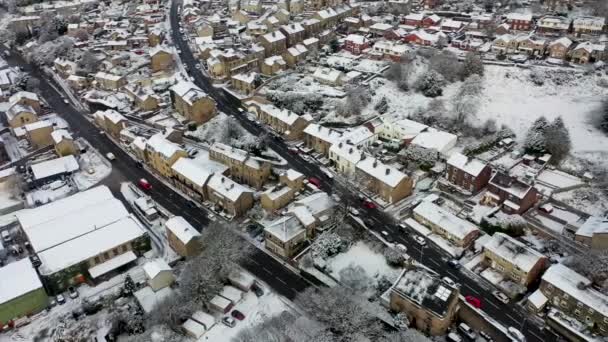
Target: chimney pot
(388, 170)
(350, 150)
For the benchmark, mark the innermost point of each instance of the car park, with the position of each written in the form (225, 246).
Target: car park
(228, 321)
(467, 331)
(420, 240)
(501, 297)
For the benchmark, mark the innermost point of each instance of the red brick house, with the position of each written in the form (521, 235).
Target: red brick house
(413, 19)
(355, 43)
(421, 37)
(519, 21)
(466, 173)
(515, 196)
(431, 20)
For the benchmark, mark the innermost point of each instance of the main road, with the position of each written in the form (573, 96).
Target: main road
(507, 314)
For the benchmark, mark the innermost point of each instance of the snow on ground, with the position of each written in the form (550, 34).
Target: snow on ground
(93, 168)
(360, 254)
(49, 193)
(223, 128)
(589, 200)
(302, 84)
(256, 310)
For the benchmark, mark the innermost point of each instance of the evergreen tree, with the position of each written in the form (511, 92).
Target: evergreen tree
(535, 138)
(129, 286)
(472, 65)
(382, 105)
(557, 140)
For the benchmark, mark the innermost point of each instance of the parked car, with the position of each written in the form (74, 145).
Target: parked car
(474, 301)
(420, 240)
(369, 204)
(314, 181)
(501, 297)
(110, 156)
(486, 336)
(386, 236)
(453, 263)
(228, 321)
(60, 299)
(401, 247)
(72, 292)
(238, 315)
(353, 211)
(139, 164)
(467, 331)
(259, 292)
(516, 334)
(454, 337)
(450, 282)
(144, 184)
(35, 260)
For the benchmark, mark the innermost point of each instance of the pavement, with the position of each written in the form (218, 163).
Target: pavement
(431, 256)
(267, 268)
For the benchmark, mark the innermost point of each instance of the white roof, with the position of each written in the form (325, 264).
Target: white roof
(112, 115)
(194, 328)
(358, 136)
(55, 166)
(160, 144)
(112, 264)
(384, 173)
(220, 302)
(204, 318)
(155, 267)
(593, 225)
(108, 76)
(431, 37)
(226, 187)
(323, 133)
(293, 28)
(183, 230)
(519, 16)
(442, 218)
(357, 39)
(23, 95)
(589, 21)
(327, 74)
(316, 203)
(568, 281)
(513, 251)
(84, 247)
(565, 41)
(231, 293)
(292, 174)
(193, 171)
(415, 16)
(274, 36)
(285, 228)
(60, 134)
(284, 115)
(37, 125)
(346, 152)
(188, 91)
(406, 127)
(436, 140)
(18, 278)
(464, 163)
(229, 151)
(538, 299)
(248, 78)
(381, 26)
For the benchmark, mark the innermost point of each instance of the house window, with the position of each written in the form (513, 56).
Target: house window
(124, 248)
(98, 260)
(106, 255)
(549, 287)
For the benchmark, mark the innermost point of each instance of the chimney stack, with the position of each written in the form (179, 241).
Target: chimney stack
(388, 170)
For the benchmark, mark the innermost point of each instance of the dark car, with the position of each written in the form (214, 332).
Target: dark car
(238, 315)
(139, 164)
(191, 204)
(257, 290)
(454, 263)
(35, 260)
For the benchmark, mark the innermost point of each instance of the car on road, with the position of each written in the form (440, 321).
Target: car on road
(110, 156)
(420, 240)
(293, 150)
(66, 101)
(369, 204)
(450, 282)
(238, 315)
(501, 297)
(144, 184)
(387, 237)
(314, 181)
(91, 170)
(60, 299)
(72, 292)
(516, 334)
(486, 336)
(353, 211)
(139, 164)
(198, 66)
(467, 331)
(6, 236)
(191, 204)
(228, 321)
(453, 263)
(179, 51)
(474, 301)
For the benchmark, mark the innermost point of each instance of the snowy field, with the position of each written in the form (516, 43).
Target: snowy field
(93, 169)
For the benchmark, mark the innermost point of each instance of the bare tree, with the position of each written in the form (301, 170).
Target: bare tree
(446, 64)
(472, 65)
(593, 265)
(354, 277)
(356, 100)
(82, 35)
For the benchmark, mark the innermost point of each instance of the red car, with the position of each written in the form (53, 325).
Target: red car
(369, 204)
(144, 184)
(314, 181)
(476, 302)
(238, 315)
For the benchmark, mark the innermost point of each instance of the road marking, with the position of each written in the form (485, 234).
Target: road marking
(538, 337)
(452, 275)
(492, 303)
(513, 319)
(267, 271)
(279, 279)
(472, 289)
(434, 262)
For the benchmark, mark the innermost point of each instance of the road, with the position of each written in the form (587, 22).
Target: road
(124, 169)
(432, 256)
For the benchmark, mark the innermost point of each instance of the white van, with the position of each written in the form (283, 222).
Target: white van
(465, 329)
(453, 337)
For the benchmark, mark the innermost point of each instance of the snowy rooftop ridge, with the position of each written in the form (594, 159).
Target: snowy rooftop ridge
(464, 163)
(514, 251)
(18, 278)
(438, 216)
(182, 229)
(593, 225)
(285, 228)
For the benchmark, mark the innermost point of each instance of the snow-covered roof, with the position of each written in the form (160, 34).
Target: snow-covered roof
(382, 172)
(471, 166)
(424, 288)
(220, 302)
(160, 144)
(285, 228)
(589, 21)
(415, 16)
(442, 218)
(292, 174)
(194, 328)
(23, 95)
(284, 115)
(317, 203)
(406, 127)
(204, 318)
(510, 185)
(538, 299)
(108, 76)
(229, 151)
(112, 264)
(347, 152)
(86, 246)
(272, 60)
(519, 16)
(188, 91)
(182, 229)
(381, 26)
(568, 281)
(451, 23)
(18, 278)
(513, 251)
(323, 133)
(274, 36)
(593, 225)
(565, 41)
(226, 188)
(292, 28)
(192, 171)
(112, 115)
(590, 47)
(18, 108)
(55, 166)
(327, 74)
(248, 78)
(155, 267)
(277, 192)
(297, 50)
(356, 39)
(327, 13)
(435, 140)
(160, 48)
(37, 125)
(60, 134)
(358, 136)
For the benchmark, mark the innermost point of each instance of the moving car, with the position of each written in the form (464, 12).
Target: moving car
(369, 204)
(314, 181)
(144, 184)
(238, 315)
(420, 240)
(387, 237)
(453, 263)
(228, 321)
(110, 156)
(501, 297)
(467, 331)
(474, 301)
(516, 334)
(450, 282)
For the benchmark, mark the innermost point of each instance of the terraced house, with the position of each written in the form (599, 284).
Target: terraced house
(459, 232)
(244, 168)
(192, 102)
(285, 122)
(161, 154)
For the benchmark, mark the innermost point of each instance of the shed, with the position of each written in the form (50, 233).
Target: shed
(204, 318)
(159, 274)
(233, 294)
(241, 280)
(193, 328)
(220, 304)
